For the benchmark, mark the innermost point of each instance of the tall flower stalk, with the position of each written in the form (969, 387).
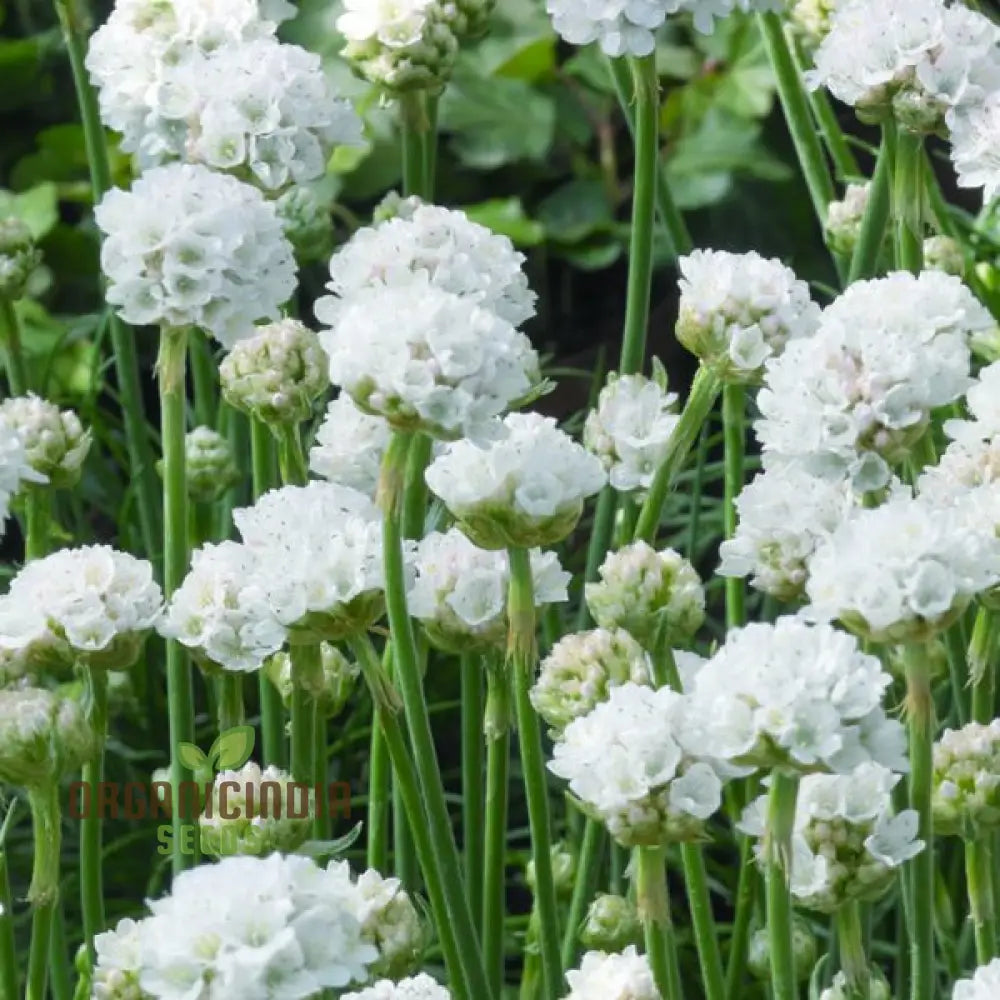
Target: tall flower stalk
(654, 911)
(908, 201)
(778, 866)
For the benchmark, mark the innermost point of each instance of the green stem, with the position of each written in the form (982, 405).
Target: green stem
(844, 163)
(91, 850)
(291, 456)
(473, 811)
(778, 859)
(587, 867)
(654, 910)
(229, 693)
(44, 891)
(920, 722)
(908, 201)
(410, 679)
(306, 669)
(59, 976)
(432, 108)
(173, 422)
(979, 883)
(321, 817)
(38, 519)
(379, 788)
(850, 942)
(746, 895)
(8, 947)
(10, 339)
(601, 533)
(734, 437)
(414, 126)
(982, 653)
(871, 239)
(531, 972)
(523, 657)
(123, 340)
(704, 391)
(205, 380)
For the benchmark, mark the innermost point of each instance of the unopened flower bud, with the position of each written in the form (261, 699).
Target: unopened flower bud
(18, 257)
(878, 988)
(210, 466)
(277, 374)
(331, 690)
(307, 224)
(810, 20)
(563, 871)
(966, 799)
(390, 921)
(55, 442)
(395, 206)
(468, 18)
(803, 946)
(844, 218)
(612, 924)
(943, 253)
(650, 594)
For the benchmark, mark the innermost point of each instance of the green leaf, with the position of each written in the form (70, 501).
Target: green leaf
(576, 211)
(37, 208)
(191, 756)
(323, 849)
(506, 216)
(232, 749)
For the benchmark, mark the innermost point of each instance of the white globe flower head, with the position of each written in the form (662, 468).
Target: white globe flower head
(630, 430)
(321, 546)
(420, 242)
(581, 670)
(187, 247)
(982, 400)
(974, 130)
(844, 217)
(854, 398)
(847, 842)
(90, 605)
(349, 446)
(967, 780)
(904, 571)
(738, 310)
(656, 596)
(427, 359)
(638, 763)
(523, 487)
(390, 921)
(419, 987)
(625, 975)
(984, 984)
(915, 59)
(459, 591)
(116, 974)
(798, 695)
(221, 610)
(55, 442)
(784, 515)
(16, 470)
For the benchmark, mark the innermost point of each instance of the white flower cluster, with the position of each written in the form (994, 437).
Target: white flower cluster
(630, 430)
(420, 987)
(349, 446)
(975, 131)
(459, 591)
(984, 984)
(967, 780)
(16, 471)
(626, 975)
(854, 397)
(637, 762)
(796, 694)
(903, 571)
(523, 487)
(846, 843)
(390, 921)
(738, 310)
(189, 247)
(320, 547)
(91, 603)
(247, 926)
(221, 611)
(54, 440)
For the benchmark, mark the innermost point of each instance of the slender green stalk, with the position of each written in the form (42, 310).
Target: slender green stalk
(321, 816)
(379, 788)
(410, 680)
(844, 163)
(229, 694)
(587, 867)
(531, 972)
(746, 896)
(91, 849)
(979, 883)
(173, 422)
(871, 239)
(850, 942)
(44, 891)
(473, 810)
(59, 976)
(205, 379)
(983, 648)
(654, 910)
(734, 438)
(38, 519)
(704, 391)
(908, 201)
(306, 670)
(415, 127)
(601, 533)
(72, 20)
(291, 456)
(10, 341)
(778, 857)
(8, 948)
(920, 723)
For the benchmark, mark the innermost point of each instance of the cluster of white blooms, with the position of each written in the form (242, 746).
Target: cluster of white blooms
(275, 373)
(18, 257)
(321, 545)
(984, 984)
(247, 926)
(630, 430)
(525, 486)
(653, 595)
(975, 130)
(637, 763)
(349, 446)
(248, 812)
(784, 514)
(967, 780)
(459, 591)
(581, 670)
(626, 975)
(919, 58)
(16, 471)
(903, 571)
(425, 358)
(187, 247)
(428, 243)
(90, 604)
(390, 921)
(967, 473)
(221, 610)
(855, 396)
(844, 218)
(846, 843)
(982, 400)
(799, 694)
(54, 440)
(329, 689)
(420, 987)
(208, 465)
(738, 310)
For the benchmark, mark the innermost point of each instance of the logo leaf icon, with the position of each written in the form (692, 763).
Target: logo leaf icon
(191, 757)
(232, 749)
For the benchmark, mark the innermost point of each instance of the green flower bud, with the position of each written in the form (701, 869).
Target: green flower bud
(54, 440)
(469, 18)
(966, 798)
(18, 257)
(844, 218)
(942, 253)
(210, 466)
(918, 112)
(277, 374)
(878, 987)
(330, 691)
(803, 945)
(810, 20)
(395, 206)
(391, 923)
(307, 223)
(612, 924)
(563, 871)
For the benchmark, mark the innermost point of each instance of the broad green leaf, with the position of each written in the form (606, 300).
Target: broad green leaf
(191, 756)
(507, 217)
(232, 749)
(37, 208)
(576, 211)
(593, 255)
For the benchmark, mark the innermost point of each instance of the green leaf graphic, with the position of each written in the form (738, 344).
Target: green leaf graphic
(232, 749)
(191, 757)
